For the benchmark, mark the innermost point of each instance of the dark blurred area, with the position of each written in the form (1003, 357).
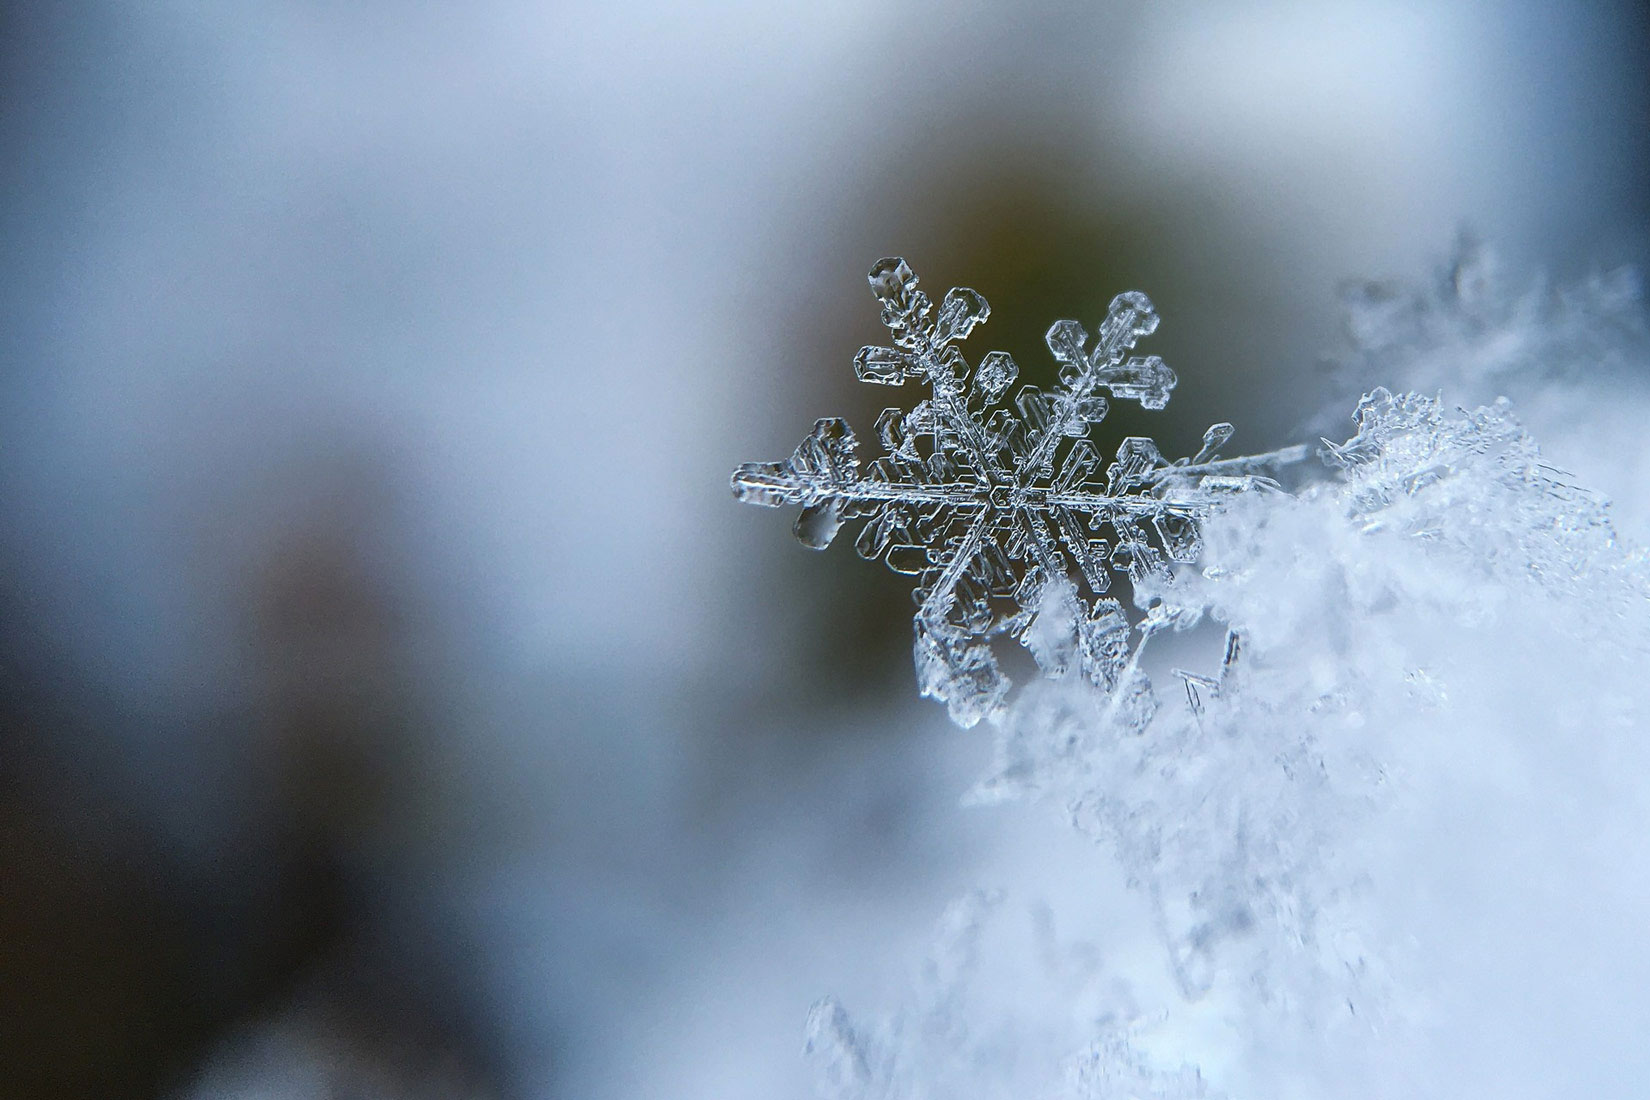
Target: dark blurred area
(395, 702)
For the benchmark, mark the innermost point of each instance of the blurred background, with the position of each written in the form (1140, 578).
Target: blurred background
(395, 702)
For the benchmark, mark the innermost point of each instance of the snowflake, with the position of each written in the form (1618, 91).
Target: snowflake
(997, 510)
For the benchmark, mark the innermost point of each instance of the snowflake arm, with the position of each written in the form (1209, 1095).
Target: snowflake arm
(994, 508)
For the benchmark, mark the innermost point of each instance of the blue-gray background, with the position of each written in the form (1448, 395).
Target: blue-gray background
(391, 684)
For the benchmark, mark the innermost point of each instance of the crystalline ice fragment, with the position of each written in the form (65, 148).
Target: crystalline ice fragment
(921, 420)
(1093, 410)
(766, 483)
(1137, 456)
(821, 466)
(1213, 440)
(1178, 533)
(905, 309)
(908, 559)
(818, 524)
(887, 427)
(1065, 341)
(884, 366)
(829, 451)
(1146, 380)
(996, 372)
(878, 530)
(1080, 463)
(961, 310)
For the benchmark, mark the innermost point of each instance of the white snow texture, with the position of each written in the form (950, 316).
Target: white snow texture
(1394, 845)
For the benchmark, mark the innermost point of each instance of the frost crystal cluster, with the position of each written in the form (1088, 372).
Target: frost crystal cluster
(1388, 843)
(1475, 328)
(993, 506)
(1476, 331)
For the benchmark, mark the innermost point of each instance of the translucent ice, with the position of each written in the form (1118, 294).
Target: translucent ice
(1389, 844)
(988, 505)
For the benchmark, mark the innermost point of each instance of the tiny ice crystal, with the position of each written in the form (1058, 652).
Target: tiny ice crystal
(995, 509)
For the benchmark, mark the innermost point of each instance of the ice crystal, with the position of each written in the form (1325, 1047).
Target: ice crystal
(1475, 328)
(1386, 844)
(998, 509)
(1275, 826)
(958, 1035)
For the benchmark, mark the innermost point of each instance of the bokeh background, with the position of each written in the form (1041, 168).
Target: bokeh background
(396, 703)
